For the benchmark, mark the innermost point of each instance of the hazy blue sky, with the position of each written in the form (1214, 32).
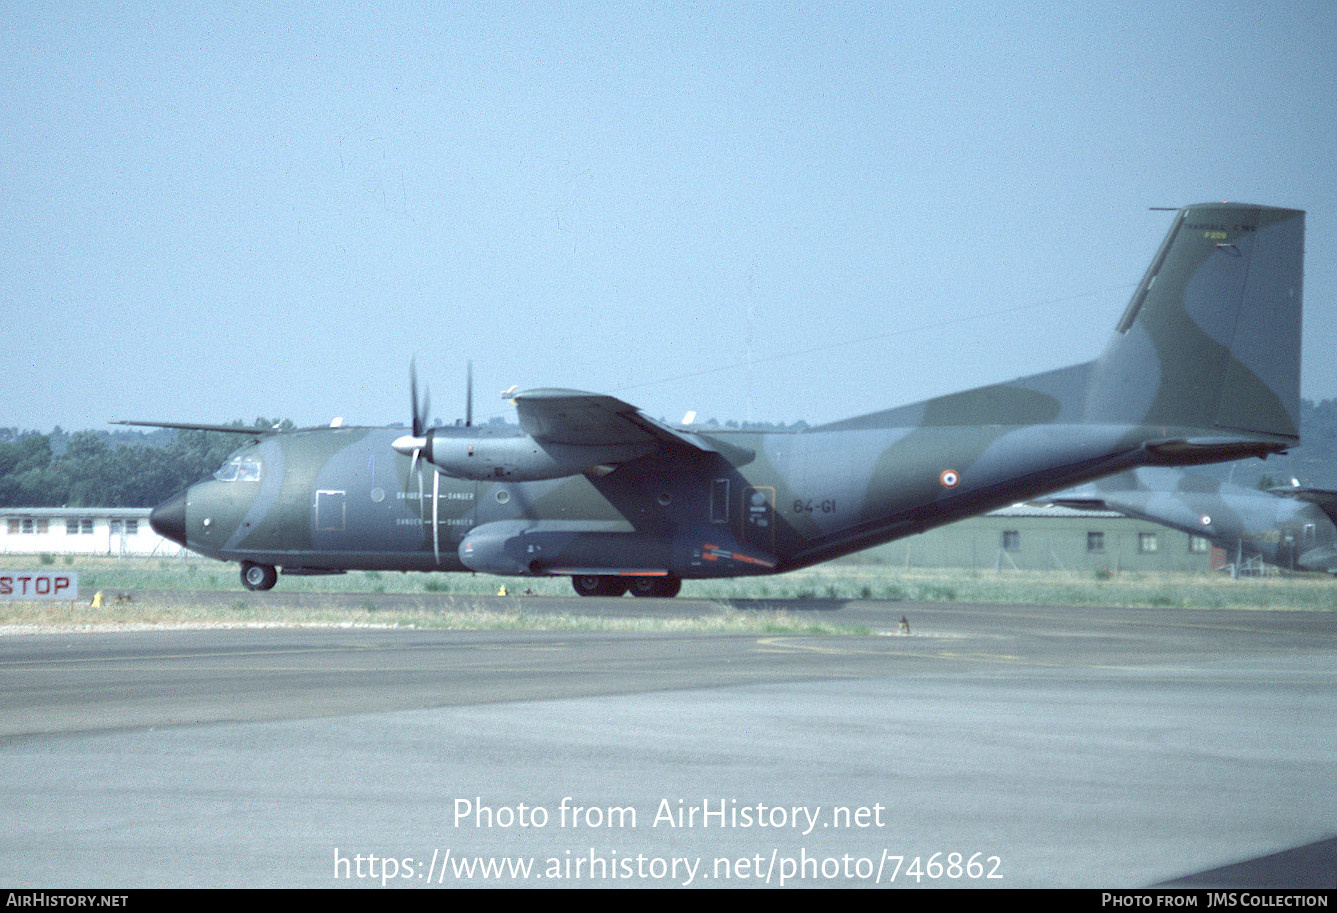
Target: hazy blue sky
(767, 211)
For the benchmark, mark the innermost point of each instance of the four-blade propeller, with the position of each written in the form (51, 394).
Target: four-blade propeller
(419, 442)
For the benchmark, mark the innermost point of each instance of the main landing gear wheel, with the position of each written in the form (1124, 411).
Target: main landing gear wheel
(258, 576)
(660, 587)
(595, 585)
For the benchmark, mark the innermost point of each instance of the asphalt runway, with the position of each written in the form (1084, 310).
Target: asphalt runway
(992, 746)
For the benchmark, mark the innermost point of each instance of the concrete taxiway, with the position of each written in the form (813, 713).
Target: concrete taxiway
(993, 746)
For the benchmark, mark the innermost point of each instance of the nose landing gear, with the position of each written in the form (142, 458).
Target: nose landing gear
(258, 576)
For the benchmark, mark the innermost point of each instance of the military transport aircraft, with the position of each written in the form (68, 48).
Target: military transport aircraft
(1289, 527)
(1202, 367)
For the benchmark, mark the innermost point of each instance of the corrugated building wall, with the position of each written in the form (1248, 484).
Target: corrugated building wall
(1049, 538)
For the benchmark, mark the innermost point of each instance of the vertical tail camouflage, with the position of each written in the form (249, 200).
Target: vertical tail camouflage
(1210, 339)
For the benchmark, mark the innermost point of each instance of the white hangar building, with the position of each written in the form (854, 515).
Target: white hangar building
(81, 531)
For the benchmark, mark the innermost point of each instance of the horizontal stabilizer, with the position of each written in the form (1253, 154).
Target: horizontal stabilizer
(1323, 498)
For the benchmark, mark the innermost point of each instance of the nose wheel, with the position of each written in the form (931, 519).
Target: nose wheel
(258, 576)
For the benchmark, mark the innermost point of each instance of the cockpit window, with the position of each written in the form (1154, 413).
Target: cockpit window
(240, 469)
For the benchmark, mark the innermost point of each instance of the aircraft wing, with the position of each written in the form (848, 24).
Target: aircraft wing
(188, 426)
(1090, 496)
(575, 418)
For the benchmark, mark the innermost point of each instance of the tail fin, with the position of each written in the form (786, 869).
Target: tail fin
(1210, 343)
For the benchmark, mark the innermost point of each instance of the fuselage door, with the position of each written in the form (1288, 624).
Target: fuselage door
(331, 512)
(719, 501)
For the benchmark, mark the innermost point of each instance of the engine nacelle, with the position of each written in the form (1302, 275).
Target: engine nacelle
(512, 458)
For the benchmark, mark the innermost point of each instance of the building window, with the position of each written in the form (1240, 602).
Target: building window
(72, 527)
(1199, 545)
(1146, 543)
(1095, 541)
(131, 527)
(13, 526)
(1011, 540)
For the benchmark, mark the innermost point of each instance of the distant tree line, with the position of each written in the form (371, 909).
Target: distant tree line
(144, 468)
(108, 469)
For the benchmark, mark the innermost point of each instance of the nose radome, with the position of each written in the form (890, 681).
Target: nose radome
(168, 519)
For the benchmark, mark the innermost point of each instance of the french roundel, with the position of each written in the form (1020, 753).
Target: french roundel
(949, 478)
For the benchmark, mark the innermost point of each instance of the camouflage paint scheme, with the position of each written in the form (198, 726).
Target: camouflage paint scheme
(1203, 367)
(1291, 528)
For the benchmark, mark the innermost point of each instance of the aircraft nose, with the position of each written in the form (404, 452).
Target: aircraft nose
(168, 519)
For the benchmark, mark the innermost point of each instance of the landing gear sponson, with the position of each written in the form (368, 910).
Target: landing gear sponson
(263, 577)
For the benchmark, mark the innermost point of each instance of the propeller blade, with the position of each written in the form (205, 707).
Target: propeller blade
(413, 398)
(422, 409)
(413, 444)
